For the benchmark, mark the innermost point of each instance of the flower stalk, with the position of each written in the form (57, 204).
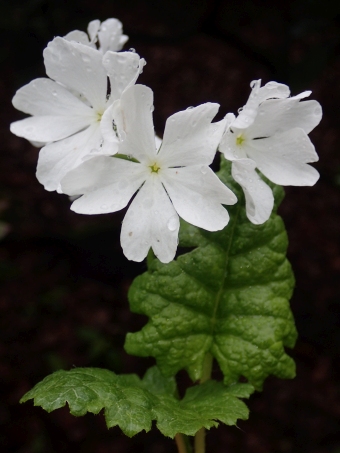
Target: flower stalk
(199, 440)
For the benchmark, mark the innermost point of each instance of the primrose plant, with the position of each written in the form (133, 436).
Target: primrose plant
(226, 299)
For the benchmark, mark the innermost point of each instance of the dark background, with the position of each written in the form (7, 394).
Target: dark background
(64, 278)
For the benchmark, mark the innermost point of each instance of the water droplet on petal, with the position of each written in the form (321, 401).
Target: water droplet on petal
(172, 223)
(253, 83)
(103, 207)
(54, 93)
(204, 169)
(189, 108)
(240, 110)
(132, 50)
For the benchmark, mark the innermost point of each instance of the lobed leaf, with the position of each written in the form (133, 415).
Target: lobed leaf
(227, 297)
(132, 403)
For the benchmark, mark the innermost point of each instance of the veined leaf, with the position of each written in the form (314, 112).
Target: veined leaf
(132, 403)
(227, 297)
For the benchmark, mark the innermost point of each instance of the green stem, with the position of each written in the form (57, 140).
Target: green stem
(207, 367)
(206, 375)
(200, 441)
(181, 443)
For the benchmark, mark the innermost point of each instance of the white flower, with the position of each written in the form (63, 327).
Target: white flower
(67, 110)
(109, 35)
(171, 182)
(270, 134)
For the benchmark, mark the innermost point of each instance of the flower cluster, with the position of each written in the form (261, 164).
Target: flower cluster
(270, 134)
(95, 127)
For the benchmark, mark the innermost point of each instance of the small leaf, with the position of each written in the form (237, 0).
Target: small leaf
(132, 403)
(228, 297)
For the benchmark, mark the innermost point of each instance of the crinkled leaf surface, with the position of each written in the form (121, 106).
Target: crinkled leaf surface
(132, 403)
(228, 296)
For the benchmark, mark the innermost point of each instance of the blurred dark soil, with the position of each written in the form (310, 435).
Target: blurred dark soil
(64, 278)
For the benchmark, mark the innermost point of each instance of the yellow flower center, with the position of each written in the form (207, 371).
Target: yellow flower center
(99, 116)
(154, 168)
(240, 139)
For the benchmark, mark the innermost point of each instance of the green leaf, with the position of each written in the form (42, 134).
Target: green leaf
(228, 297)
(132, 403)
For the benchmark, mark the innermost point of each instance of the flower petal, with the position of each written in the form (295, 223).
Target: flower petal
(259, 94)
(48, 128)
(77, 36)
(57, 159)
(123, 69)
(110, 35)
(272, 90)
(93, 29)
(135, 112)
(190, 138)
(259, 196)
(46, 97)
(284, 158)
(110, 136)
(197, 194)
(107, 184)
(279, 115)
(78, 67)
(151, 221)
